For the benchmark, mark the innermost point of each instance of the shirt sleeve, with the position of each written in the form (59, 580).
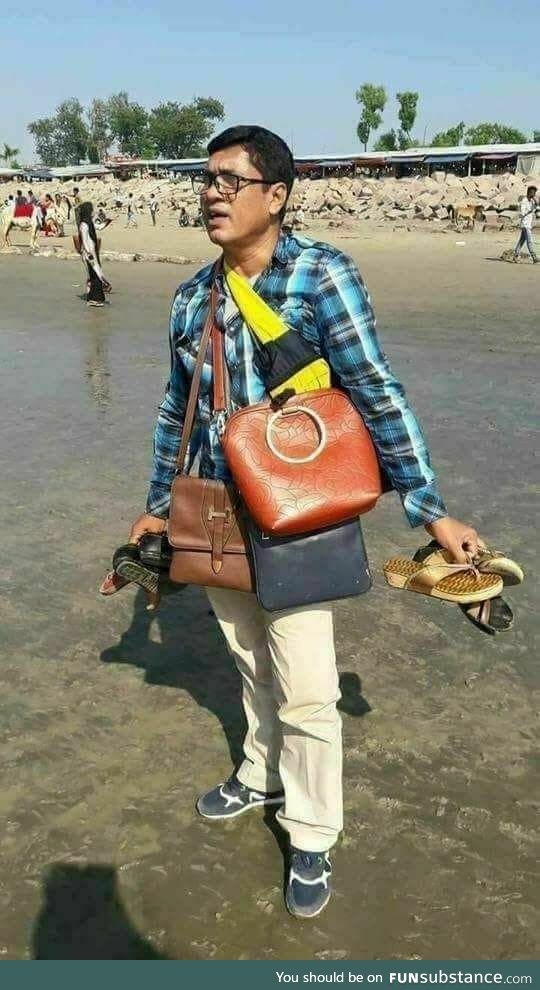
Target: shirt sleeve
(169, 425)
(345, 316)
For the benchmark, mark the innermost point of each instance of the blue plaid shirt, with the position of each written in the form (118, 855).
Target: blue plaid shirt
(318, 292)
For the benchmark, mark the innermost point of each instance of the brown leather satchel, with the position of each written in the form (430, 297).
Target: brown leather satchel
(205, 528)
(304, 465)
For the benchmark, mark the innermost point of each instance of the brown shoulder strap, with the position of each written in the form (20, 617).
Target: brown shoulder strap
(219, 400)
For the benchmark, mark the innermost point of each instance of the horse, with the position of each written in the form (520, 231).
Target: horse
(28, 217)
(466, 212)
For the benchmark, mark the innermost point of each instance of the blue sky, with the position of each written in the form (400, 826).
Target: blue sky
(293, 66)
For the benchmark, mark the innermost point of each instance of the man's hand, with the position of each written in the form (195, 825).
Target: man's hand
(461, 540)
(146, 524)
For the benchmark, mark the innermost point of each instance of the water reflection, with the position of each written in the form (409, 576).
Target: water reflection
(97, 371)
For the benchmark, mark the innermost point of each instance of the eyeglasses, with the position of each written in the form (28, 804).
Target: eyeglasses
(227, 184)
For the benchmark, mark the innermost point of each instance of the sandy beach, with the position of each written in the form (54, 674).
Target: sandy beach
(114, 720)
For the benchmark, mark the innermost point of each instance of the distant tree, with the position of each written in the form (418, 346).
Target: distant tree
(100, 133)
(408, 105)
(536, 136)
(387, 142)
(450, 138)
(183, 131)
(9, 155)
(494, 134)
(45, 139)
(372, 99)
(128, 123)
(62, 139)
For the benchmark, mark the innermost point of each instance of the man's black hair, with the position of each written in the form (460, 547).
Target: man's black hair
(267, 152)
(531, 189)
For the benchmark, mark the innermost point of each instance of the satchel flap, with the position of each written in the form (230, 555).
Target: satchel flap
(197, 505)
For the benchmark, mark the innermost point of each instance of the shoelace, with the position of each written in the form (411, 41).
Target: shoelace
(306, 859)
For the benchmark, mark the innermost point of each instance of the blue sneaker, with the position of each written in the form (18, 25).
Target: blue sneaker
(233, 798)
(308, 888)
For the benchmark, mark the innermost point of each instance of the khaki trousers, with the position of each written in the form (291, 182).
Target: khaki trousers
(289, 690)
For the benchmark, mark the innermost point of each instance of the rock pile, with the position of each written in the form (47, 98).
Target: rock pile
(409, 201)
(336, 201)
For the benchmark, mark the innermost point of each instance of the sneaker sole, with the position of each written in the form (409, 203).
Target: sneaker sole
(299, 914)
(138, 575)
(247, 807)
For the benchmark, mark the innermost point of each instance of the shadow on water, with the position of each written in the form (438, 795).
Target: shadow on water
(191, 656)
(83, 917)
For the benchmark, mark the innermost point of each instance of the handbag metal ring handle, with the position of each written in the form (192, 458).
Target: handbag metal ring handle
(288, 412)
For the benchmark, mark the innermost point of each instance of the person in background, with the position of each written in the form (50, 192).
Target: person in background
(31, 198)
(527, 209)
(76, 203)
(183, 219)
(20, 200)
(153, 206)
(89, 248)
(131, 219)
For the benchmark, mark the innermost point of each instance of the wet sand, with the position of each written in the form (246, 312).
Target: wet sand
(113, 721)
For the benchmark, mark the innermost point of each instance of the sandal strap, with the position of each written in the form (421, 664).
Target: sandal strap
(432, 573)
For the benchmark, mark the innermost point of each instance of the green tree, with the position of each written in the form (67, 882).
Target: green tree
(408, 105)
(536, 137)
(450, 138)
(100, 133)
(387, 142)
(182, 131)
(494, 134)
(45, 139)
(372, 99)
(9, 155)
(62, 139)
(128, 123)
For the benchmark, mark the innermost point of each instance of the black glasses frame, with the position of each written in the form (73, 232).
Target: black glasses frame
(210, 179)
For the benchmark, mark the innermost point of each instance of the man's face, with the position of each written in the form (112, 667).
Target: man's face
(239, 219)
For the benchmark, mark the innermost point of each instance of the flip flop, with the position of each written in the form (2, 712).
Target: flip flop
(438, 576)
(491, 561)
(492, 616)
(488, 561)
(112, 583)
(127, 563)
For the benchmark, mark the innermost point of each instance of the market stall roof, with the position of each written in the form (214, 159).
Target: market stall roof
(498, 157)
(445, 159)
(185, 167)
(406, 160)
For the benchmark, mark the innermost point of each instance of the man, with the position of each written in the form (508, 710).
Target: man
(131, 220)
(20, 200)
(527, 210)
(292, 750)
(76, 201)
(31, 198)
(153, 206)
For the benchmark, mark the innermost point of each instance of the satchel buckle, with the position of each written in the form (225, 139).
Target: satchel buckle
(212, 514)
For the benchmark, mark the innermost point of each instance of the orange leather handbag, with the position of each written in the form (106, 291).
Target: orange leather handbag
(303, 465)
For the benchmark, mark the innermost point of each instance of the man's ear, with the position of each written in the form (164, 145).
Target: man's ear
(279, 198)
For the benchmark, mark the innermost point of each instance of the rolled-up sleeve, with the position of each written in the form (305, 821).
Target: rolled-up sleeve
(347, 327)
(169, 425)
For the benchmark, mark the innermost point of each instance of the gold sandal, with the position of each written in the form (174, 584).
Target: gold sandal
(490, 561)
(438, 576)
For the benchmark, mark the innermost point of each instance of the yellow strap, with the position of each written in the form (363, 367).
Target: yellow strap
(266, 324)
(268, 327)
